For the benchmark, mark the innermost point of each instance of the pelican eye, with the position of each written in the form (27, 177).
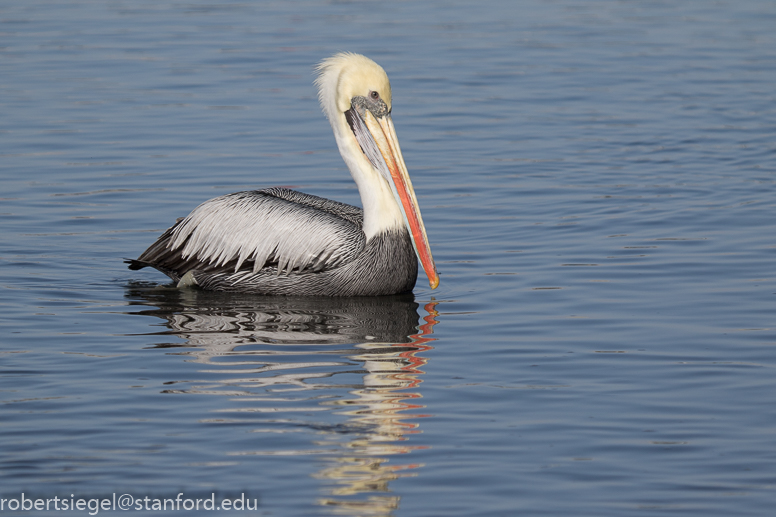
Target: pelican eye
(374, 95)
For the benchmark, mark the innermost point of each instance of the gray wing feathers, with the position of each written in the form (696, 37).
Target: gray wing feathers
(264, 228)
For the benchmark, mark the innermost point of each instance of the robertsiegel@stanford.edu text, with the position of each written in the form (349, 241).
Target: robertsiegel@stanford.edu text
(94, 505)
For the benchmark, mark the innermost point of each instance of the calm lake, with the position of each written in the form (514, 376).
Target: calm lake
(598, 183)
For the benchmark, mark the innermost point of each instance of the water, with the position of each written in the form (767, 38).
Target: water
(597, 181)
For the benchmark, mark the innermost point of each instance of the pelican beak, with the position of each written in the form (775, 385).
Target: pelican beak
(384, 135)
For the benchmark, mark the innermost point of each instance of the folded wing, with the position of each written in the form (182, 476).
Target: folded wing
(279, 228)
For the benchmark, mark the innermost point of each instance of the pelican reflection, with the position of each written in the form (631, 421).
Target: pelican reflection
(347, 370)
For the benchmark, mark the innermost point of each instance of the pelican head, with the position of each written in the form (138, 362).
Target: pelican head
(355, 95)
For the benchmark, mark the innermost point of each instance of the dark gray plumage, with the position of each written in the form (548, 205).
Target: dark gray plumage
(247, 242)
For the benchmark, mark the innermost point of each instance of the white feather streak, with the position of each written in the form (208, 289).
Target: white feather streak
(250, 226)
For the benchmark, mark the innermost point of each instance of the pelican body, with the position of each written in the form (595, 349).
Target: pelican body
(279, 241)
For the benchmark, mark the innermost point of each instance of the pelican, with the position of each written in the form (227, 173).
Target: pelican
(279, 241)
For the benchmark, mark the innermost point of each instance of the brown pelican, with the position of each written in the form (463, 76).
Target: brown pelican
(282, 242)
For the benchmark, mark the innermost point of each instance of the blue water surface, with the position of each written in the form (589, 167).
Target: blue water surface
(598, 182)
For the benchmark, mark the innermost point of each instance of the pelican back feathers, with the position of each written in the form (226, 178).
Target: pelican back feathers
(280, 241)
